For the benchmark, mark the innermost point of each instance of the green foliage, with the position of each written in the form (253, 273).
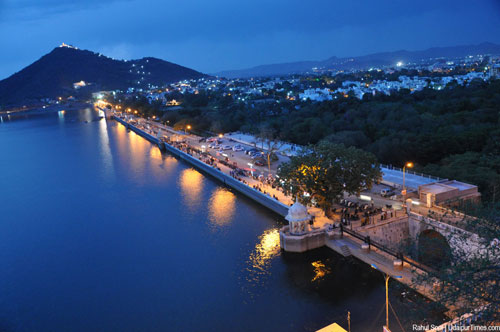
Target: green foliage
(326, 171)
(471, 167)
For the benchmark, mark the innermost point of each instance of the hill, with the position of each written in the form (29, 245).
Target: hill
(363, 62)
(54, 74)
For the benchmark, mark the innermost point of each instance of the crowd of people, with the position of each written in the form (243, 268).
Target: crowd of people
(367, 213)
(235, 172)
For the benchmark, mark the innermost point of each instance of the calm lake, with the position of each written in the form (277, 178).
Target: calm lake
(99, 231)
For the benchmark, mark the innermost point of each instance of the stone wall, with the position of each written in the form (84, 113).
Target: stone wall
(461, 242)
(390, 233)
(242, 188)
(301, 243)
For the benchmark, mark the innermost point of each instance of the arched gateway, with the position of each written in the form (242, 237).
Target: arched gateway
(433, 248)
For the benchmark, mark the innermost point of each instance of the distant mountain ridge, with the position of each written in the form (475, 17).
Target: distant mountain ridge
(360, 62)
(53, 75)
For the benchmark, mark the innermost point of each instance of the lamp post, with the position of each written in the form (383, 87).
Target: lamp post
(188, 128)
(251, 167)
(387, 277)
(407, 165)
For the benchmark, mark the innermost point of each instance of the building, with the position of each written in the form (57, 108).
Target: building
(448, 193)
(316, 94)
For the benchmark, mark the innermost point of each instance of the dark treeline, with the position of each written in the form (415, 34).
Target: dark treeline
(452, 133)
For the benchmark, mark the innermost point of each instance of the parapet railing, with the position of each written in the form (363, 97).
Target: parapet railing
(399, 169)
(394, 253)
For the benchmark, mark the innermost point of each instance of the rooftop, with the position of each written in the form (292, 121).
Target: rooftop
(441, 187)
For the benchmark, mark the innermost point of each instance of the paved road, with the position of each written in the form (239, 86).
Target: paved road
(412, 181)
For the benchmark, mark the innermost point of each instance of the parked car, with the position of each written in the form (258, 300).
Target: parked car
(251, 150)
(386, 192)
(258, 163)
(226, 147)
(237, 148)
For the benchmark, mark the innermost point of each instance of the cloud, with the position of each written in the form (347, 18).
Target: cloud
(35, 9)
(227, 34)
(117, 51)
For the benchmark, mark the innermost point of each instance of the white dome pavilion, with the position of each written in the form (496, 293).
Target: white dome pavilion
(298, 219)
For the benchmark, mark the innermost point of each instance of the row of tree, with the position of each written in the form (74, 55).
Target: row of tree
(453, 133)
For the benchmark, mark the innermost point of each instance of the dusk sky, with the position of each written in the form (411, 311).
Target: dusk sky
(220, 34)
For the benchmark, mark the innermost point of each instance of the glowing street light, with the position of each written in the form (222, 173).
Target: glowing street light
(407, 165)
(221, 135)
(387, 277)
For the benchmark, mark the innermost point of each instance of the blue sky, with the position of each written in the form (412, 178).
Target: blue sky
(214, 35)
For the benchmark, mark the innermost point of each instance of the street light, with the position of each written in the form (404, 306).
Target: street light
(407, 165)
(251, 167)
(387, 277)
(221, 135)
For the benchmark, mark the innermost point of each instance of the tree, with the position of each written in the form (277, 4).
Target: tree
(325, 171)
(269, 143)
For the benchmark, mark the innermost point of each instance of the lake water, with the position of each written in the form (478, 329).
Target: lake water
(99, 231)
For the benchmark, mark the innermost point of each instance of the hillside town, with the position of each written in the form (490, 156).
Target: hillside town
(321, 86)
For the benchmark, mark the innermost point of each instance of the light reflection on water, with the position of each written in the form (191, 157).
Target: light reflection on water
(260, 259)
(191, 183)
(105, 151)
(121, 132)
(320, 269)
(136, 149)
(155, 153)
(221, 206)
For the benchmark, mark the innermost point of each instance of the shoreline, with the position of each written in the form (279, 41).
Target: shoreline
(49, 109)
